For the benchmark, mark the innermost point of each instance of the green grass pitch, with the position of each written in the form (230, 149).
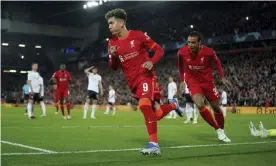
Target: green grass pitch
(115, 140)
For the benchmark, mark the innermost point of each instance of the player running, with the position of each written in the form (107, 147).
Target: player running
(262, 132)
(62, 78)
(197, 62)
(111, 101)
(128, 50)
(94, 87)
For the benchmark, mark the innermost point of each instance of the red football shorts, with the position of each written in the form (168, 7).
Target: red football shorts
(144, 89)
(61, 94)
(208, 90)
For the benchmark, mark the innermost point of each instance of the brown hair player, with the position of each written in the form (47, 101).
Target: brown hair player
(62, 78)
(128, 49)
(197, 62)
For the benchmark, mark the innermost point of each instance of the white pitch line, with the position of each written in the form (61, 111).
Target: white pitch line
(28, 147)
(136, 149)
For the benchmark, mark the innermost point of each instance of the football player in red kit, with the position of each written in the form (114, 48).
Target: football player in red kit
(62, 78)
(128, 49)
(197, 62)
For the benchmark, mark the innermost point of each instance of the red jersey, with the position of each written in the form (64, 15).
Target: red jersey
(132, 52)
(198, 68)
(63, 79)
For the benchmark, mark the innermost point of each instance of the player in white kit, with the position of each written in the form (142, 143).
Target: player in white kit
(34, 83)
(94, 88)
(172, 91)
(223, 100)
(111, 101)
(191, 109)
(41, 95)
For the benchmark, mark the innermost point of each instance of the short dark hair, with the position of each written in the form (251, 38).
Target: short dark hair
(34, 63)
(196, 34)
(117, 13)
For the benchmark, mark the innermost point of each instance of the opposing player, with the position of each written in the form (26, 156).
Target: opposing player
(25, 90)
(94, 88)
(189, 105)
(223, 101)
(34, 90)
(262, 132)
(111, 101)
(62, 78)
(197, 62)
(41, 96)
(172, 91)
(128, 50)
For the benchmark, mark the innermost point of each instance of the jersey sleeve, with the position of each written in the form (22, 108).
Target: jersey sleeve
(41, 81)
(55, 75)
(152, 45)
(100, 78)
(217, 63)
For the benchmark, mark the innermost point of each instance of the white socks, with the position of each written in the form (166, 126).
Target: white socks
(43, 108)
(93, 111)
(29, 108)
(189, 111)
(86, 105)
(106, 110)
(114, 110)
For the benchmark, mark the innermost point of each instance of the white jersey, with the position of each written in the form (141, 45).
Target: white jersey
(223, 98)
(35, 82)
(42, 86)
(172, 89)
(187, 91)
(111, 96)
(93, 82)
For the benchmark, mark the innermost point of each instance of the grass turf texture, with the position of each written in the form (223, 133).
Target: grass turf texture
(76, 138)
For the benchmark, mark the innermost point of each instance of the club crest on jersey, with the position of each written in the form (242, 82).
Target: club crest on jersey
(132, 43)
(202, 59)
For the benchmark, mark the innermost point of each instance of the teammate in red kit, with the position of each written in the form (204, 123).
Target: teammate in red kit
(62, 78)
(128, 50)
(197, 62)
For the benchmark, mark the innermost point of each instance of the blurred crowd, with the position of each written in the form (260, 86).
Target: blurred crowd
(252, 74)
(214, 20)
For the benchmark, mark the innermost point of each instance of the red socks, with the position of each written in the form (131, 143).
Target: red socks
(207, 116)
(62, 109)
(220, 119)
(150, 119)
(68, 106)
(164, 110)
